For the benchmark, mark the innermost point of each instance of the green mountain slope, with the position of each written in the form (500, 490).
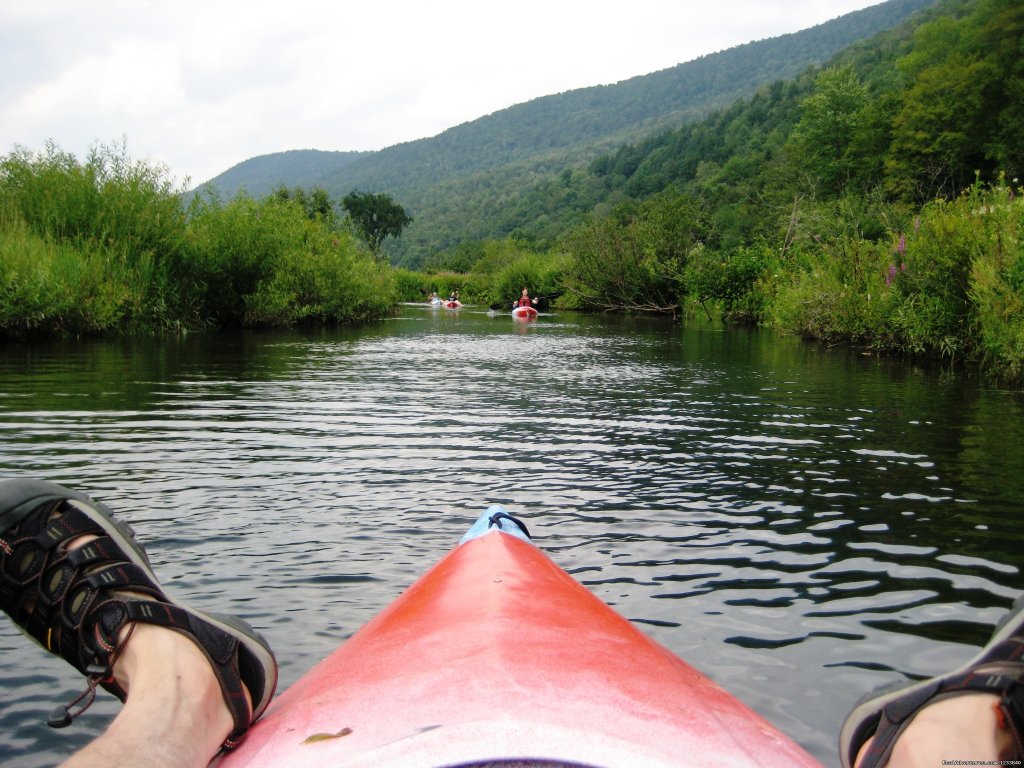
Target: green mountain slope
(296, 167)
(457, 184)
(899, 114)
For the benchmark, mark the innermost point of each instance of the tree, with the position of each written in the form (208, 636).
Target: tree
(822, 142)
(375, 217)
(317, 204)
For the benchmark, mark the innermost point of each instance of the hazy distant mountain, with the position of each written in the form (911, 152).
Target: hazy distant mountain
(466, 171)
(295, 167)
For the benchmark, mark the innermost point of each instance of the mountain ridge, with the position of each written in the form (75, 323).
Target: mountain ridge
(548, 134)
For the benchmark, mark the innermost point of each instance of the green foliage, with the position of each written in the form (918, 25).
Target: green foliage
(824, 301)
(947, 282)
(461, 258)
(107, 199)
(413, 286)
(939, 252)
(737, 281)
(964, 73)
(823, 141)
(267, 263)
(636, 259)
(540, 274)
(262, 175)
(105, 245)
(317, 204)
(473, 288)
(57, 288)
(997, 283)
(375, 217)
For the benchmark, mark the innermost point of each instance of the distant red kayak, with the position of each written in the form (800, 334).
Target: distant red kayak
(524, 312)
(453, 304)
(497, 656)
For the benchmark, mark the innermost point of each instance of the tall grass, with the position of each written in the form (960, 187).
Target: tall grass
(945, 282)
(106, 245)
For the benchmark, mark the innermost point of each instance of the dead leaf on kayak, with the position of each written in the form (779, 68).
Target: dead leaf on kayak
(325, 736)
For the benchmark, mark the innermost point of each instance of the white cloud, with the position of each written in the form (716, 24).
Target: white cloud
(201, 85)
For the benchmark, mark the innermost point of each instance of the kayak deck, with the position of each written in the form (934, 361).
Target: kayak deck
(496, 653)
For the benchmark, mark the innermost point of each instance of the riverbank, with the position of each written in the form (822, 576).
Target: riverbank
(106, 246)
(945, 282)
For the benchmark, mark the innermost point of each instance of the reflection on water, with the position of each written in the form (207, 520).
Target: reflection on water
(800, 523)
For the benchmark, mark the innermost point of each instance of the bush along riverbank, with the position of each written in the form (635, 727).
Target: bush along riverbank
(945, 282)
(106, 245)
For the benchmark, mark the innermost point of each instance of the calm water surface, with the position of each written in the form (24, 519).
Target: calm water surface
(802, 524)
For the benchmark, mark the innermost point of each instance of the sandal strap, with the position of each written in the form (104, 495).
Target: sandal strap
(66, 598)
(1004, 678)
(222, 650)
(76, 603)
(50, 591)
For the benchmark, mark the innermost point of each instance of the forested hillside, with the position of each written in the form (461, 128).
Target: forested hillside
(914, 114)
(874, 201)
(260, 176)
(457, 184)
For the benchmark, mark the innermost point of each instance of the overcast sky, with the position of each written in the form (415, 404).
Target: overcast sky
(200, 85)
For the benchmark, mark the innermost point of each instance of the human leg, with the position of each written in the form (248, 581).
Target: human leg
(174, 715)
(74, 579)
(974, 713)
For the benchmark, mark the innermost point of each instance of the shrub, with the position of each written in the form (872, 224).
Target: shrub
(734, 280)
(59, 288)
(997, 283)
(538, 273)
(105, 245)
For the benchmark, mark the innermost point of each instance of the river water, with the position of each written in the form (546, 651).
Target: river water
(800, 523)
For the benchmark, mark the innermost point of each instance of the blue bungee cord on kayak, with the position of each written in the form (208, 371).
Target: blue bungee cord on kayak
(498, 517)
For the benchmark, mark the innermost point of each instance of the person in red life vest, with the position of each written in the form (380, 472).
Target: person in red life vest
(525, 300)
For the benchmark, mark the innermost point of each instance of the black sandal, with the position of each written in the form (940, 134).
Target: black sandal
(886, 712)
(74, 603)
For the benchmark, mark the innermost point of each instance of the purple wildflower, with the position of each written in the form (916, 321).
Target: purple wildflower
(890, 274)
(901, 246)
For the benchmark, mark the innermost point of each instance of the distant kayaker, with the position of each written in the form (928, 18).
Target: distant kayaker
(525, 300)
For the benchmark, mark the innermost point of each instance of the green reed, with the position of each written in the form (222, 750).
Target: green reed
(106, 245)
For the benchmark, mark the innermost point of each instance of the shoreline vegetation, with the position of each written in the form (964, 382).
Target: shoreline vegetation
(105, 246)
(875, 202)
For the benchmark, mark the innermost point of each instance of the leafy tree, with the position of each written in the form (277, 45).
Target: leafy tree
(939, 134)
(317, 204)
(829, 125)
(375, 217)
(636, 258)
